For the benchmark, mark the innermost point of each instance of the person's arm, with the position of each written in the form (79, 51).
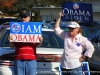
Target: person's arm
(82, 58)
(57, 29)
(89, 50)
(58, 21)
(11, 44)
(39, 44)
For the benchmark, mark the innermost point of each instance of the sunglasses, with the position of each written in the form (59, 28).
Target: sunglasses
(70, 28)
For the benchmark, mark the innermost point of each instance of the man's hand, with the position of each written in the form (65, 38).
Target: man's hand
(39, 44)
(60, 14)
(11, 44)
(82, 58)
(58, 21)
(10, 37)
(40, 39)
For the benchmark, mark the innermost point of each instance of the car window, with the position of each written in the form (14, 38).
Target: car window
(55, 43)
(45, 42)
(7, 23)
(95, 39)
(99, 39)
(5, 40)
(2, 33)
(8, 20)
(86, 33)
(51, 40)
(64, 28)
(96, 32)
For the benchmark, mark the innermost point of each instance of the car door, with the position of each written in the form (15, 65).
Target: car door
(97, 51)
(96, 55)
(49, 54)
(4, 48)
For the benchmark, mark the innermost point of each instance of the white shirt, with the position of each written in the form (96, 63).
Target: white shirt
(73, 49)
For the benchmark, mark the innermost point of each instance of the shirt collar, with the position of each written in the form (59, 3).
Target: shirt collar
(77, 36)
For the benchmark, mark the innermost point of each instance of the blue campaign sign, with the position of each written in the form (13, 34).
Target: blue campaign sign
(77, 12)
(25, 27)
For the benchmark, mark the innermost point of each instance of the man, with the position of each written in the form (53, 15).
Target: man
(25, 53)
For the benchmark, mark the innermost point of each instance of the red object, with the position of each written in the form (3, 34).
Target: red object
(25, 51)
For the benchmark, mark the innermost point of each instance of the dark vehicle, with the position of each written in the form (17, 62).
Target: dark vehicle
(95, 60)
(91, 26)
(4, 23)
(4, 20)
(96, 32)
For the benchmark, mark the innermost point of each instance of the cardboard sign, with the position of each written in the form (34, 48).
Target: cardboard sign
(25, 31)
(81, 12)
(85, 69)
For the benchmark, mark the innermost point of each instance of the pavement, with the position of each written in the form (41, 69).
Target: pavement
(94, 71)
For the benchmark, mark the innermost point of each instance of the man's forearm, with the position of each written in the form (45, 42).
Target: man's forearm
(38, 44)
(11, 44)
(58, 22)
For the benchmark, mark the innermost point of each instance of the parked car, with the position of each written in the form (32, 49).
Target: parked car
(91, 26)
(95, 60)
(96, 32)
(52, 24)
(6, 22)
(48, 55)
(4, 25)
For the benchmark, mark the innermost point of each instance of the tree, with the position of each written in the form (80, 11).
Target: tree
(7, 4)
(25, 4)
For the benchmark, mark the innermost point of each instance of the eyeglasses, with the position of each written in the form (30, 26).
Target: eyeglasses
(71, 28)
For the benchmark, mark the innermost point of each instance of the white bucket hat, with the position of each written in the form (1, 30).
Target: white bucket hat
(74, 25)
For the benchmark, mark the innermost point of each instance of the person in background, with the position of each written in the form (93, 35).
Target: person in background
(25, 53)
(74, 45)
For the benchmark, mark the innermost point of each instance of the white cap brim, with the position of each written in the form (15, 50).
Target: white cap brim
(74, 25)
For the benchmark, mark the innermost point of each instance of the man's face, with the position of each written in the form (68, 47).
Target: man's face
(27, 19)
(73, 31)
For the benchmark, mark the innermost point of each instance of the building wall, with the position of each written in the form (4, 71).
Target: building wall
(49, 14)
(96, 16)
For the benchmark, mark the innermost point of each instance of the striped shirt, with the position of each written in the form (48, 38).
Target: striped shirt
(25, 51)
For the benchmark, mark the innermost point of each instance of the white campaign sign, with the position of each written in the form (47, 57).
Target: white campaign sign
(25, 38)
(25, 31)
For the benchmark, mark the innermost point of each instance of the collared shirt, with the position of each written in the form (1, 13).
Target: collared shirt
(73, 49)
